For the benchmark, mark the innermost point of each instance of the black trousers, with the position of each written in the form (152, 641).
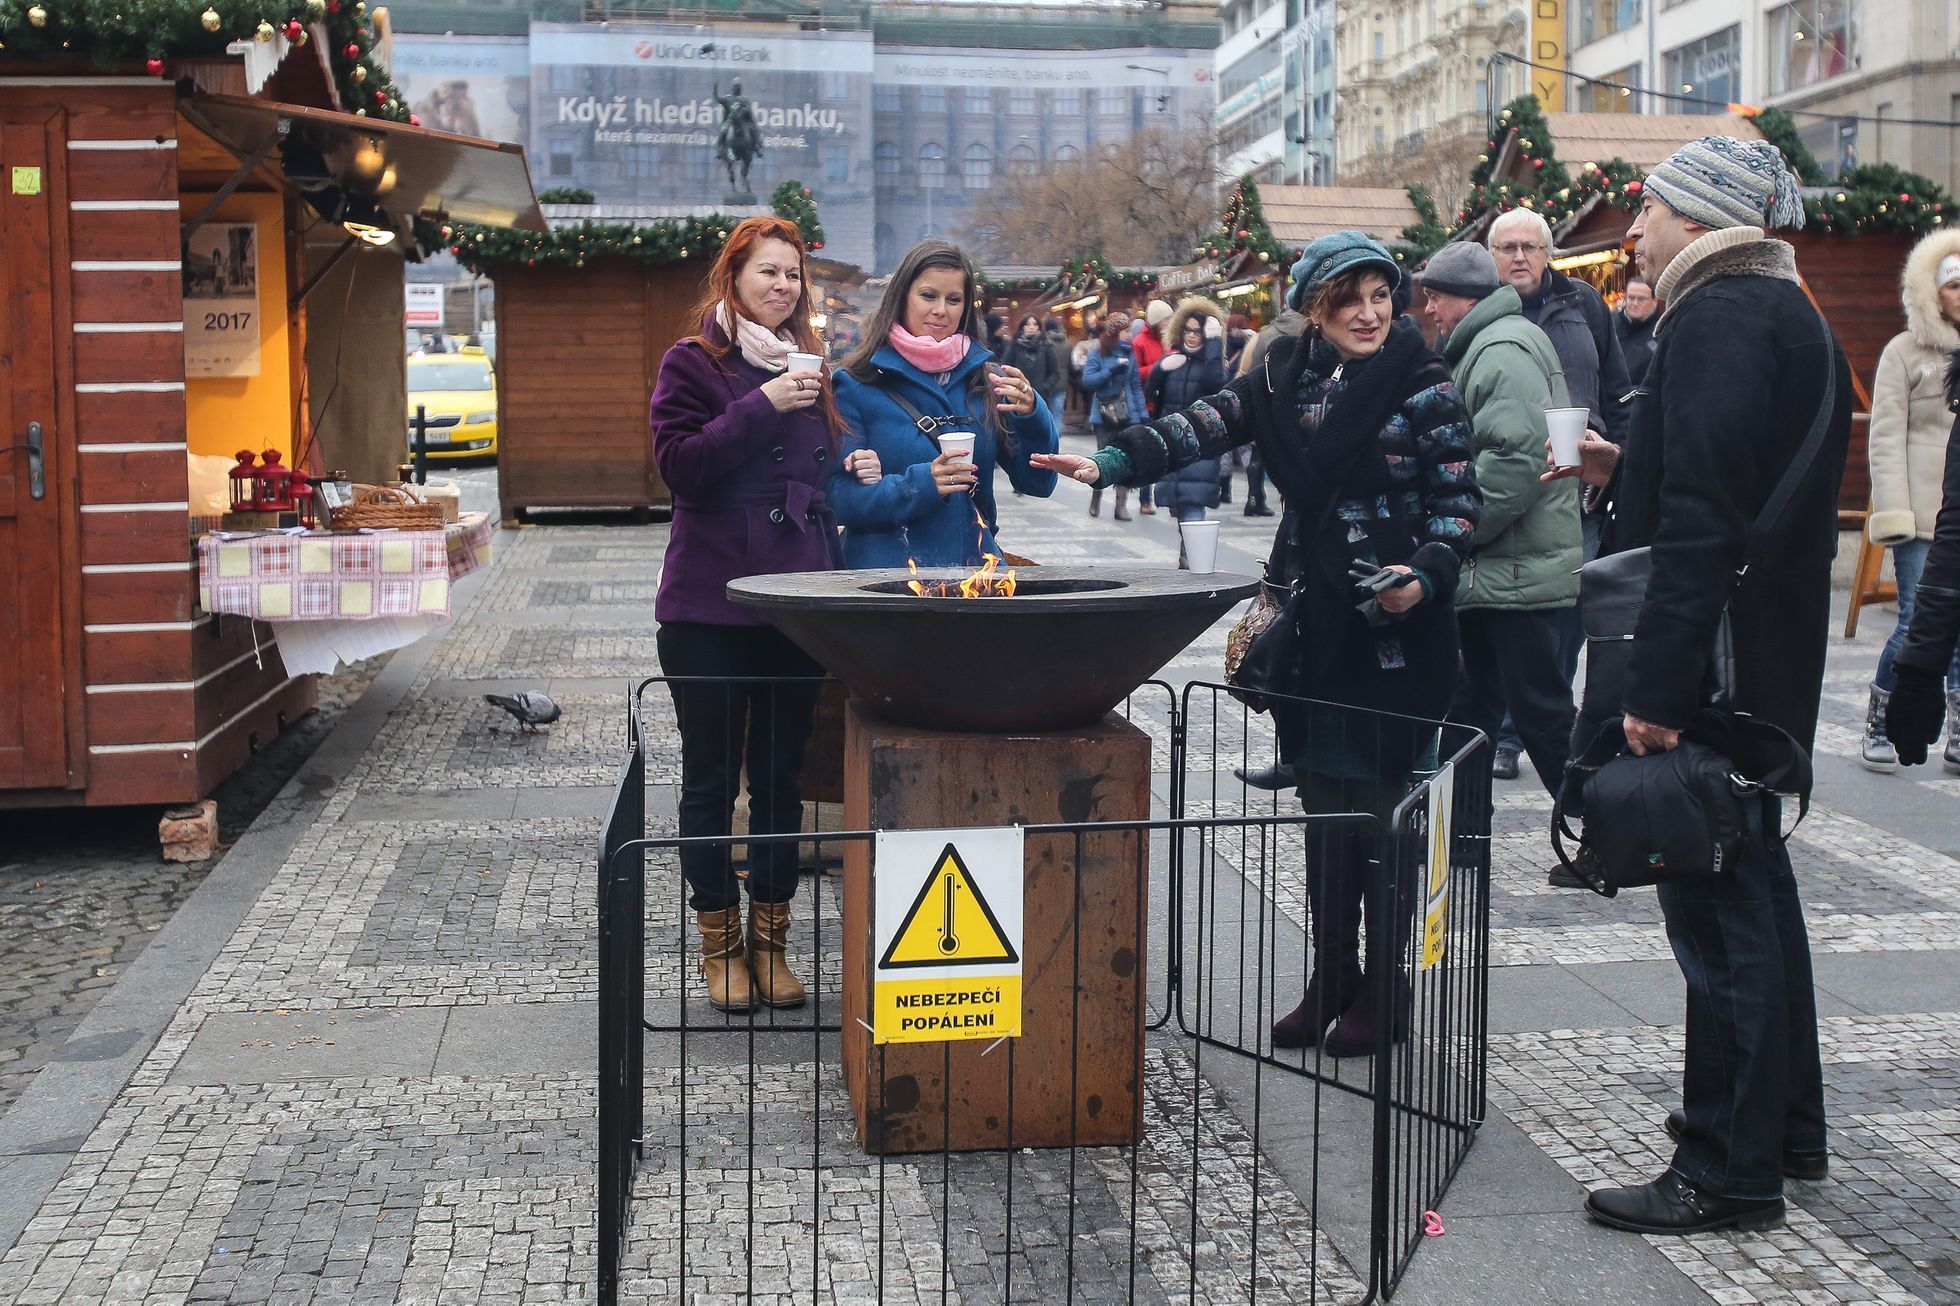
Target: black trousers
(1511, 659)
(726, 725)
(1752, 1084)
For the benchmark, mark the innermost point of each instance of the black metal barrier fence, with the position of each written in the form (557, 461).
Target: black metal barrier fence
(779, 1154)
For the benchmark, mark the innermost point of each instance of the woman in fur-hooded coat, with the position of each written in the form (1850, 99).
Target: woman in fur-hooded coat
(1909, 430)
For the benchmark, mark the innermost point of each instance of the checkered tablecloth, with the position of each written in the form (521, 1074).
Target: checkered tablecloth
(321, 576)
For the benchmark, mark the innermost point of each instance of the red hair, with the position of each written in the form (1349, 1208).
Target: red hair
(736, 252)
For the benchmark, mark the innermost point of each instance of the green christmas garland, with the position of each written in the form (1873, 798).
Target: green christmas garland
(112, 31)
(1879, 197)
(670, 240)
(1426, 234)
(1242, 228)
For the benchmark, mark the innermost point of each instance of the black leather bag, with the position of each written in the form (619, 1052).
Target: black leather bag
(1681, 814)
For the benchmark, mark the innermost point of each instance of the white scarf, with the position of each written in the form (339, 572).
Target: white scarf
(761, 347)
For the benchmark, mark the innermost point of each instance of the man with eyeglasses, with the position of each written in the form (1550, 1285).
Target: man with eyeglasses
(1581, 330)
(1634, 323)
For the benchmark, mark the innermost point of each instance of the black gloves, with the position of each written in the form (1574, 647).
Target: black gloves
(1912, 717)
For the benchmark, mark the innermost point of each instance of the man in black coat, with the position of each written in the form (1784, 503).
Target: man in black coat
(1912, 717)
(1633, 322)
(1736, 381)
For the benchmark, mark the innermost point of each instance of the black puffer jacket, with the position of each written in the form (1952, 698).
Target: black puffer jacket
(1936, 616)
(1581, 327)
(1035, 356)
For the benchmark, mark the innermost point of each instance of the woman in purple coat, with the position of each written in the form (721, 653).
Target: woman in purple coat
(746, 445)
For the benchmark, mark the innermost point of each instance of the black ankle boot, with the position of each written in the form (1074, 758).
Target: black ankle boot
(1328, 992)
(1355, 1033)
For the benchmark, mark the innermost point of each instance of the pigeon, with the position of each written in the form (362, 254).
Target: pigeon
(531, 708)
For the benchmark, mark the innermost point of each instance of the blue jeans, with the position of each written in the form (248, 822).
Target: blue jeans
(1193, 512)
(1752, 1083)
(1908, 560)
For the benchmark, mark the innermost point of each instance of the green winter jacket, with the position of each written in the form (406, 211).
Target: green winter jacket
(1524, 552)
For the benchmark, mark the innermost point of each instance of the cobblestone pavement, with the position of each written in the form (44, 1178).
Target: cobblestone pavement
(80, 896)
(383, 1088)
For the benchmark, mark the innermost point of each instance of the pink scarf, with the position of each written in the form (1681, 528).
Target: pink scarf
(928, 355)
(762, 347)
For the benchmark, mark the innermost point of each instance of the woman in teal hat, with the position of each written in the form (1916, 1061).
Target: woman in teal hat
(1361, 430)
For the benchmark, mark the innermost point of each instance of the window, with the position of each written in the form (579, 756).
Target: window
(1022, 161)
(564, 77)
(1022, 102)
(836, 86)
(1247, 71)
(561, 158)
(1113, 101)
(885, 162)
(1599, 18)
(977, 168)
(837, 163)
(978, 101)
(932, 99)
(1812, 41)
(932, 167)
(884, 99)
(1067, 154)
(1707, 70)
(884, 245)
(1068, 103)
(1610, 99)
(1381, 47)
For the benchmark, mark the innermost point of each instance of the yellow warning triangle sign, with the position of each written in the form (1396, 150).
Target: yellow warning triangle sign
(949, 923)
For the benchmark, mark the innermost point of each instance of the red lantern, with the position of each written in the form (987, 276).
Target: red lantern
(275, 483)
(301, 489)
(244, 483)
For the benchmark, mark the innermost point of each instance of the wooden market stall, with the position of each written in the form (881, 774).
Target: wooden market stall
(155, 274)
(580, 341)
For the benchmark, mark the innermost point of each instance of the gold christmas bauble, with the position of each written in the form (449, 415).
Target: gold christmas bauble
(37, 17)
(210, 20)
(264, 32)
(359, 74)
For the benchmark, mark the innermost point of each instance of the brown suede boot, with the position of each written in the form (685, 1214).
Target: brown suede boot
(768, 960)
(722, 964)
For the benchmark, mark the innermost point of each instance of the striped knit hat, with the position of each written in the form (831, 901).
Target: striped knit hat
(1719, 181)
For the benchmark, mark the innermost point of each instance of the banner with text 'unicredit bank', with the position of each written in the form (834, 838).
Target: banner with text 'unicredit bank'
(629, 112)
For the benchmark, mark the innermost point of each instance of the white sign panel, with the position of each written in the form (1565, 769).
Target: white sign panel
(221, 300)
(423, 304)
(946, 935)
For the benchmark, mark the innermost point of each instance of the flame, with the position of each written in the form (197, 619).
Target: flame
(989, 582)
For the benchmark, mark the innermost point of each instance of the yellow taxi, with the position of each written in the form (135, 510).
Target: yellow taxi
(459, 394)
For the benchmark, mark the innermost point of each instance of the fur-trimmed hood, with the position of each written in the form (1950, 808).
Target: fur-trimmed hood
(1724, 252)
(1919, 291)
(1187, 308)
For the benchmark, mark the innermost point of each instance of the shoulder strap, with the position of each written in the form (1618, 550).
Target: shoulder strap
(1813, 441)
(928, 426)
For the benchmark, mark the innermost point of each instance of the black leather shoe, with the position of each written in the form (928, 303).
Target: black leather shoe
(1673, 1205)
(1276, 777)
(1811, 1167)
(1259, 510)
(1505, 765)
(1560, 878)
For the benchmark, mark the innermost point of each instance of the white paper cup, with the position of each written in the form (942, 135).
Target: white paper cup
(1567, 427)
(805, 363)
(1200, 544)
(960, 446)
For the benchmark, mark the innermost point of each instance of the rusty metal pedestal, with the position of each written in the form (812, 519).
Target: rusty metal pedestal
(1077, 1068)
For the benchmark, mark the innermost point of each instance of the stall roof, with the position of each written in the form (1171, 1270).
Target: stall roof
(570, 215)
(1298, 214)
(415, 171)
(1642, 139)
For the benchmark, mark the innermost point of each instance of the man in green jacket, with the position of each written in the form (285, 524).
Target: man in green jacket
(1522, 579)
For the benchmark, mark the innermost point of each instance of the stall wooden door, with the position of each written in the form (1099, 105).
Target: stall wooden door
(34, 748)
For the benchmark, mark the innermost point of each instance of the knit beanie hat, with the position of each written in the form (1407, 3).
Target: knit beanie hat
(1719, 181)
(1331, 255)
(1462, 267)
(1157, 313)
(1949, 271)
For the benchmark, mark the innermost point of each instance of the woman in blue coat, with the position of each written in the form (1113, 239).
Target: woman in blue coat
(921, 372)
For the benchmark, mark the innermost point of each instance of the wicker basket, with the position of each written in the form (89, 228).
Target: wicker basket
(381, 507)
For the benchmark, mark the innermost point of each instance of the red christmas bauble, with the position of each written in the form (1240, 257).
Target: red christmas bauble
(333, 6)
(1904, 198)
(352, 50)
(155, 66)
(1633, 188)
(1244, 234)
(1537, 163)
(381, 97)
(455, 249)
(293, 29)
(414, 120)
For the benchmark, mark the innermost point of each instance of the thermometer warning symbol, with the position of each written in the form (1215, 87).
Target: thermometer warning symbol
(949, 922)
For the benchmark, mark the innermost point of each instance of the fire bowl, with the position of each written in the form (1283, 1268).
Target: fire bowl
(1066, 648)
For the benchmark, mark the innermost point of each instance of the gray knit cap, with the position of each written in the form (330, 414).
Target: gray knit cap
(1462, 267)
(1719, 181)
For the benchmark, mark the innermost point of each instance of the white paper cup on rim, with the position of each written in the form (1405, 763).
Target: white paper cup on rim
(1567, 427)
(805, 363)
(1200, 545)
(960, 445)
